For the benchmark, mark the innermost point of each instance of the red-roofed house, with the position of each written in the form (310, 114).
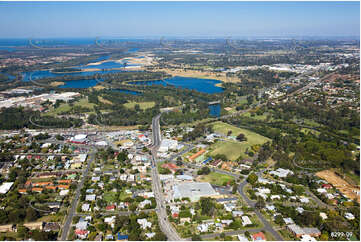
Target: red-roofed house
(259, 237)
(171, 167)
(82, 234)
(110, 208)
(327, 186)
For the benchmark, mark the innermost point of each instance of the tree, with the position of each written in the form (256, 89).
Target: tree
(260, 204)
(207, 206)
(252, 178)
(234, 189)
(204, 171)
(241, 137)
(31, 214)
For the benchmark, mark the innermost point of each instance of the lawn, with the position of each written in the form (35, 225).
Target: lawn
(257, 117)
(65, 107)
(233, 149)
(142, 105)
(216, 178)
(252, 137)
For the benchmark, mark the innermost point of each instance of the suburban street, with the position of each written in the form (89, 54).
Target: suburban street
(164, 223)
(71, 212)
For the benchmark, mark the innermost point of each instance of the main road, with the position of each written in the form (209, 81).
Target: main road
(164, 223)
(75, 201)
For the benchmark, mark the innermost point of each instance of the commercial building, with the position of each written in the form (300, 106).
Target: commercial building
(168, 144)
(193, 190)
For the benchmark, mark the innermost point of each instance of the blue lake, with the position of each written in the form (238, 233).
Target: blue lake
(79, 84)
(127, 91)
(215, 110)
(47, 73)
(198, 84)
(107, 65)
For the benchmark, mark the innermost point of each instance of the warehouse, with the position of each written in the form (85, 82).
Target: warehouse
(79, 139)
(193, 190)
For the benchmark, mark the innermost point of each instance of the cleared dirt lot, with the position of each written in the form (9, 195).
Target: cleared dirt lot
(347, 189)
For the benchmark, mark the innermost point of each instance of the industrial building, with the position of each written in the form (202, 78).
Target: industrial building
(193, 190)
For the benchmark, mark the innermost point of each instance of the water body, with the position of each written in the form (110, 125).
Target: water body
(215, 110)
(79, 84)
(128, 91)
(107, 65)
(47, 73)
(198, 84)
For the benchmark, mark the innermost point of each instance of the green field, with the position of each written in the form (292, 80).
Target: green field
(142, 105)
(233, 149)
(65, 107)
(216, 178)
(257, 117)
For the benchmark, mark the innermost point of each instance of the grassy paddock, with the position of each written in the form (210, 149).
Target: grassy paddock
(142, 105)
(216, 178)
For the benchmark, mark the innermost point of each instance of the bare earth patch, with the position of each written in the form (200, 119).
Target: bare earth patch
(348, 190)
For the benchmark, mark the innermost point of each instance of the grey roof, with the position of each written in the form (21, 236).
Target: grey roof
(193, 190)
(311, 230)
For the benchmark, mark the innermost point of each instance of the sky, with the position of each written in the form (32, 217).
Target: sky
(183, 19)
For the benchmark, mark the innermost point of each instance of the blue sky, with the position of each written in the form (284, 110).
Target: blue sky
(137, 19)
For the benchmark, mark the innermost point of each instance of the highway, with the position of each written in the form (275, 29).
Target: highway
(164, 223)
(75, 201)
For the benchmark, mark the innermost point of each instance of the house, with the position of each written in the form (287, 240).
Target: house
(237, 213)
(288, 221)
(246, 221)
(90, 197)
(226, 221)
(259, 237)
(81, 225)
(270, 208)
(85, 207)
(144, 203)
(281, 172)
(242, 237)
(273, 197)
(110, 208)
(109, 220)
(144, 223)
(307, 238)
(150, 235)
(300, 210)
(229, 207)
(109, 237)
(349, 216)
(326, 186)
(298, 231)
(81, 234)
(63, 193)
(304, 200)
(202, 228)
(323, 215)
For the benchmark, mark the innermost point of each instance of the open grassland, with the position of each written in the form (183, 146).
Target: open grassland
(216, 178)
(65, 107)
(142, 105)
(252, 137)
(233, 149)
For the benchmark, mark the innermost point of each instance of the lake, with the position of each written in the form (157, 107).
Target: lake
(215, 110)
(198, 84)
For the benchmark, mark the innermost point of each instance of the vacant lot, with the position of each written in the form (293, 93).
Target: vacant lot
(216, 178)
(252, 137)
(231, 148)
(65, 107)
(346, 189)
(142, 105)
